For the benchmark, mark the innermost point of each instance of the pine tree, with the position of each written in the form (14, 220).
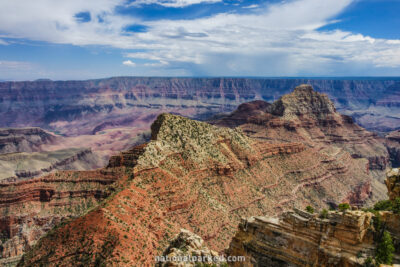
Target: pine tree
(384, 252)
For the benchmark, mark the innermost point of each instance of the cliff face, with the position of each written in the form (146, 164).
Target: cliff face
(393, 183)
(22, 166)
(298, 238)
(309, 117)
(393, 145)
(301, 239)
(78, 107)
(202, 178)
(31, 208)
(24, 140)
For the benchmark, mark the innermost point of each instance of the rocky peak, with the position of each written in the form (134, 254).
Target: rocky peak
(393, 183)
(193, 139)
(303, 102)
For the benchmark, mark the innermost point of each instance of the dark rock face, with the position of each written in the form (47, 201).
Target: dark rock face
(76, 107)
(24, 139)
(393, 145)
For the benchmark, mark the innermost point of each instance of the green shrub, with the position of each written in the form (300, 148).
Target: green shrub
(344, 206)
(324, 214)
(377, 222)
(310, 209)
(385, 249)
(383, 205)
(396, 205)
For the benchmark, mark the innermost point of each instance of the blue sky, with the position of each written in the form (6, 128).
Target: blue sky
(78, 39)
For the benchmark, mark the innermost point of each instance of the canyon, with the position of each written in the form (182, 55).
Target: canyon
(106, 113)
(205, 178)
(262, 159)
(31, 152)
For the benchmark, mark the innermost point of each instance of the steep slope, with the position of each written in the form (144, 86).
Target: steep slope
(32, 207)
(309, 117)
(202, 178)
(24, 139)
(393, 146)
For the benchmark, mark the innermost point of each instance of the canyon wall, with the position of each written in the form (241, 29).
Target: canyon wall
(24, 139)
(202, 178)
(299, 238)
(83, 107)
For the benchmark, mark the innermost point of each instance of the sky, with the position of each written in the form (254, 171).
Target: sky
(75, 39)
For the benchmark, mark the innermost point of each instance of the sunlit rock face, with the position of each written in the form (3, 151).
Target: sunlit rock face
(202, 178)
(298, 238)
(309, 117)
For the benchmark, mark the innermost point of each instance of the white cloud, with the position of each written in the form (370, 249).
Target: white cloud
(173, 3)
(277, 39)
(251, 6)
(129, 63)
(2, 42)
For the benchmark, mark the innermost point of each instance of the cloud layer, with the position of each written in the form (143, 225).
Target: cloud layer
(280, 39)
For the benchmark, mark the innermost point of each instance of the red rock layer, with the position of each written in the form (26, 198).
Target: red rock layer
(206, 192)
(30, 208)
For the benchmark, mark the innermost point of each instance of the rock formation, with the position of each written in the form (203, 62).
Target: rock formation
(202, 178)
(188, 250)
(393, 183)
(302, 239)
(31, 208)
(393, 144)
(106, 114)
(24, 139)
(299, 238)
(17, 166)
(309, 117)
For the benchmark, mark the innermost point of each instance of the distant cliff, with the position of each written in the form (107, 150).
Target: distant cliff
(24, 139)
(76, 107)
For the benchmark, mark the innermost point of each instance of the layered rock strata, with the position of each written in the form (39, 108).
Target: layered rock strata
(32, 207)
(22, 166)
(298, 238)
(309, 117)
(301, 239)
(199, 177)
(77, 107)
(24, 140)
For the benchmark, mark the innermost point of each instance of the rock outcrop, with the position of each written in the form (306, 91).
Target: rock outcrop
(202, 178)
(393, 183)
(309, 117)
(393, 146)
(188, 250)
(301, 239)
